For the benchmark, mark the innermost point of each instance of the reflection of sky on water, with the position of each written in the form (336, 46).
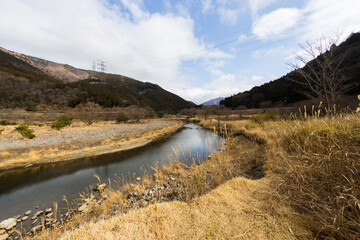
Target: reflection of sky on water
(47, 184)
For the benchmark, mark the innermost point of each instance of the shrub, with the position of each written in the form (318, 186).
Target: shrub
(122, 118)
(266, 116)
(1, 130)
(62, 122)
(24, 130)
(6, 122)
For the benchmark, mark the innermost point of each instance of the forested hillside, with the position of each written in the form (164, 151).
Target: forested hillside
(26, 82)
(286, 92)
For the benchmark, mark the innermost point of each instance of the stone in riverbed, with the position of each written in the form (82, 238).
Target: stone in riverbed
(100, 188)
(4, 236)
(25, 218)
(48, 210)
(142, 203)
(49, 215)
(36, 228)
(37, 214)
(8, 224)
(138, 178)
(28, 213)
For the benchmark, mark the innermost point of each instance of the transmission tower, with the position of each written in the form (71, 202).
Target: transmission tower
(93, 67)
(102, 66)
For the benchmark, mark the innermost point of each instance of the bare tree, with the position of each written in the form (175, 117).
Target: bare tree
(322, 76)
(89, 112)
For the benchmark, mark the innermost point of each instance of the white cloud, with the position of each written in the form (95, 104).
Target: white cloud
(277, 51)
(133, 42)
(134, 7)
(257, 78)
(256, 5)
(325, 17)
(229, 11)
(317, 19)
(228, 16)
(242, 38)
(221, 85)
(207, 6)
(275, 23)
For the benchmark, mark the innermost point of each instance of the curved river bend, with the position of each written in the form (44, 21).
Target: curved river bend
(22, 190)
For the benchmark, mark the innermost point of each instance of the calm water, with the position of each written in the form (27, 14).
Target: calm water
(23, 190)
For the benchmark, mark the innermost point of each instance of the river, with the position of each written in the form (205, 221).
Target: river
(24, 189)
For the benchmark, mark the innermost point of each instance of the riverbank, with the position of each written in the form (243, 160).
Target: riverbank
(223, 197)
(78, 141)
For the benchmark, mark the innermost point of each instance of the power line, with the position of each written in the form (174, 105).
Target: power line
(159, 58)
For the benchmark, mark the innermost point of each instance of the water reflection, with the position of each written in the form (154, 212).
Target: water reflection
(24, 189)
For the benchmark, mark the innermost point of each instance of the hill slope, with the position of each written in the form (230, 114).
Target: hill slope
(213, 102)
(26, 82)
(284, 92)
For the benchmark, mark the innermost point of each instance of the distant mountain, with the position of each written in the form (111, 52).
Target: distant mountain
(213, 102)
(284, 92)
(26, 82)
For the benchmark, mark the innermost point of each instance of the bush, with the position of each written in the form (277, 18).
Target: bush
(62, 122)
(122, 118)
(6, 122)
(266, 116)
(1, 130)
(24, 130)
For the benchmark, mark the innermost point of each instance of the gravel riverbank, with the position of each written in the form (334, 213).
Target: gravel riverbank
(78, 141)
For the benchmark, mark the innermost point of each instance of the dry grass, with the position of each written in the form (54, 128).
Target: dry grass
(238, 208)
(311, 189)
(317, 168)
(235, 210)
(313, 164)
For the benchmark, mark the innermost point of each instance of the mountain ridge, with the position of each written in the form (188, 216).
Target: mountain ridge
(213, 102)
(61, 85)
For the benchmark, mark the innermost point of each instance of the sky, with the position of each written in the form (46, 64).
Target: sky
(197, 49)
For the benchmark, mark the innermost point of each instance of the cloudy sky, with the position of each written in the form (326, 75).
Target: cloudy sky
(198, 49)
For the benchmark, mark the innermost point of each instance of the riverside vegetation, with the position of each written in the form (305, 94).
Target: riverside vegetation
(295, 178)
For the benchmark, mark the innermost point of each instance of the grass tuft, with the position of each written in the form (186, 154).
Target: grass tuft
(24, 130)
(62, 122)
(6, 122)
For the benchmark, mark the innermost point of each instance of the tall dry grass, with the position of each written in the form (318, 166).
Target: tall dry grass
(316, 163)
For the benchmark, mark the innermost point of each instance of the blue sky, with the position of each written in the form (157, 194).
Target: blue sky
(198, 49)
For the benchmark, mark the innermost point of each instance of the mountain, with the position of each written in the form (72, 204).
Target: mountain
(285, 92)
(26, 82)
(213, 102)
